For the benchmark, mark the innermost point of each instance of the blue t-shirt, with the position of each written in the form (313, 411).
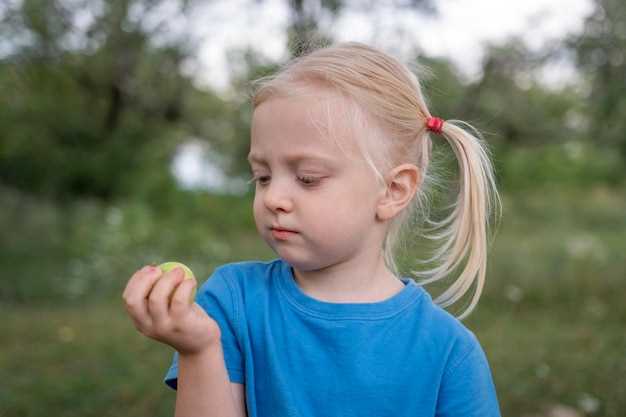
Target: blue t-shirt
(303, 357)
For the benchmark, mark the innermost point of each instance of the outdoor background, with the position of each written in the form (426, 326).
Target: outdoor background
(119, 148)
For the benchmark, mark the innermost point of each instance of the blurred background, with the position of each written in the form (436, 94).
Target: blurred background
(124, 127)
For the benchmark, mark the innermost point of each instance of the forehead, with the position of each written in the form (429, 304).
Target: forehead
(292, 158)
(313, 126)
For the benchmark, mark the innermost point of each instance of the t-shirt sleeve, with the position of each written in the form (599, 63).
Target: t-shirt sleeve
(216, 297)
(467, 387)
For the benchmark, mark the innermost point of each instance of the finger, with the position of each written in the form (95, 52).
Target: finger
(132, 279)
(158, 299)
(136, 294)
(138, 278)
(181, 300)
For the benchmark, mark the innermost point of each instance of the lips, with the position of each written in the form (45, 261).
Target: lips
(282, 229)
(281, 234)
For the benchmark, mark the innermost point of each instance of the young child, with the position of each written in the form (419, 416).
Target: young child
(340, 147)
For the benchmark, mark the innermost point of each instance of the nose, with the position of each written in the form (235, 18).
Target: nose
(275, 197)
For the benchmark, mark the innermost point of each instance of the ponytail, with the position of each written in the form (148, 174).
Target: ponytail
(466, 230)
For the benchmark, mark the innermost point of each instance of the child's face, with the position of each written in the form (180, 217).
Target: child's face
(329, 202)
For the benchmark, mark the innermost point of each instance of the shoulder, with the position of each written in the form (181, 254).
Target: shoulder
(447, 334)
(224, 293)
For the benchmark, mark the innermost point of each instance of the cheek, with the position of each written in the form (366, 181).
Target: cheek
(355, 204)
(256, 204)
(256, 212)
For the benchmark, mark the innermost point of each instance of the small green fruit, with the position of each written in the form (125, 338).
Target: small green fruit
(168, 266)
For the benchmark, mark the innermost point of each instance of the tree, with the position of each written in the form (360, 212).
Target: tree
(600, 52)
(94, 99)
(304, 32)
(510, 99)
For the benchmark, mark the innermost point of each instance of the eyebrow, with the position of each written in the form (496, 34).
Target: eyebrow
(290, 158)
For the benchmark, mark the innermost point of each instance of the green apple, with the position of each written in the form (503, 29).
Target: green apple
(168, 266)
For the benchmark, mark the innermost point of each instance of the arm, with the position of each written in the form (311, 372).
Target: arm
(204, 388)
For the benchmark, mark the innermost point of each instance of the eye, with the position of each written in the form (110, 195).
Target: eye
(306, 180)
(257, 179)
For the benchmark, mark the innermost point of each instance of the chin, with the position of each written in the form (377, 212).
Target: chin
(293, 259)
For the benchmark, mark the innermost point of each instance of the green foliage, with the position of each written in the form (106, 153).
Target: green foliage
(507, 102)
(600, 52)
(537, 135)
(572, 164)
(74, 251)
(96, 117)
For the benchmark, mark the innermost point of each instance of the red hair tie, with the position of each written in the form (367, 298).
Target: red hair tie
(434, 124)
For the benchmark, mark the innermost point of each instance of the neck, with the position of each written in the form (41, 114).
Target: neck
(360, 279)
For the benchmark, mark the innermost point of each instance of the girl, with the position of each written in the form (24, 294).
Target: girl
(340, 147)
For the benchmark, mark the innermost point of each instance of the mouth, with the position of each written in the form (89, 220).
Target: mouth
(282, 234)
(282, 229)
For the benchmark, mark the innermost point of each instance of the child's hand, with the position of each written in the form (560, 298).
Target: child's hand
(182, 324)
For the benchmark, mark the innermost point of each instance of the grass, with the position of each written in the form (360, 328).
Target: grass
(87, 362)
(551, 318)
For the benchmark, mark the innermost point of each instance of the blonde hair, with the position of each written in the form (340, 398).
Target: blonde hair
(387, 93)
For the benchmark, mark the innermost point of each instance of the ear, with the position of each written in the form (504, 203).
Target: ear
(401, 187)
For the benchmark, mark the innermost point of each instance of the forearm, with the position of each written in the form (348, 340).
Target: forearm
(203, 386)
